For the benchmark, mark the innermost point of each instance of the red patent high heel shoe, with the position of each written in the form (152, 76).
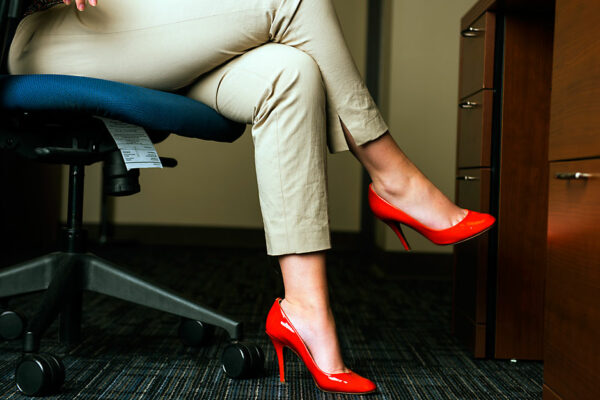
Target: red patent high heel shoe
(472, 224)
(283, 334)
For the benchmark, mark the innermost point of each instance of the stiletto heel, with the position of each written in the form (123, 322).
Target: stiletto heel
(398, 231)
(283, 334)
(472, 224)
(279, 351)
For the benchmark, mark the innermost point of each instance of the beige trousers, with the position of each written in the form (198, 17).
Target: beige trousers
(280, 65)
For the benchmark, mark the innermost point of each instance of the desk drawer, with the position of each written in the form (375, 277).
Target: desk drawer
(571, 346)
(575, 121)
(475, 130)
(470, 265)
(477, 55)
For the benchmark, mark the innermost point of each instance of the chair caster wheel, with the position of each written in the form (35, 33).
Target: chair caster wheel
(12, 325)
(39, 374)
(243, 360)
(195, 333)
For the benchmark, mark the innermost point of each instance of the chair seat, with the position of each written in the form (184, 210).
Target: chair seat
(152, 109)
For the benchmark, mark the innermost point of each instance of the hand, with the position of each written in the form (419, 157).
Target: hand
(81, 3)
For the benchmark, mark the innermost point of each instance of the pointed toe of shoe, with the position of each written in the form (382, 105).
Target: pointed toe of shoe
(476, 222)
(348, 382)
(473, 224)
(364, 385)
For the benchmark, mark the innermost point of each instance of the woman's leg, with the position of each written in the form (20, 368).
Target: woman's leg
(355, 123)
(283, 98)
(306, 303)
(399, 181)
(279, 91)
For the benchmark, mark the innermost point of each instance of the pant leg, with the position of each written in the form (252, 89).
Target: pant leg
(160, 44)
(315, 30)
(279, 90)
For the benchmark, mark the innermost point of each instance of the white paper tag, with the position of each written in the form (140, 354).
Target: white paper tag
(134, 143)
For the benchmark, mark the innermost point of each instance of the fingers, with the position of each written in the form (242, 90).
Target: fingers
(80, 4)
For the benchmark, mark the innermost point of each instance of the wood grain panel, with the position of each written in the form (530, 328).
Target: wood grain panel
(477, 57)
(572, 348)
(575, 129)
(522, 212)
(470, 265)
(518, 160)
(475, 130)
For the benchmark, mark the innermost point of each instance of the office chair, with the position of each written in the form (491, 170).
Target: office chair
(51, 119)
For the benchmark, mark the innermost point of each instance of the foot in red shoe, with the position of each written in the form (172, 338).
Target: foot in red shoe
(283, 334)
(471, 225)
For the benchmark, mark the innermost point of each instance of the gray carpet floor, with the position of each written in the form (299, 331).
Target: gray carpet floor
(393, 329)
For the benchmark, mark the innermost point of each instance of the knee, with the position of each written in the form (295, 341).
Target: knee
(294, 78)
(298, 70)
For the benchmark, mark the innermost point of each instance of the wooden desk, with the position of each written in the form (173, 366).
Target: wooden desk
(532, 165)
(572, 331)
(504, 112)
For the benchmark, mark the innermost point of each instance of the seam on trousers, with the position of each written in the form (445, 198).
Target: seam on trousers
(285, 219)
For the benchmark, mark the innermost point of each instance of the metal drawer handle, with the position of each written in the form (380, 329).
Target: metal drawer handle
(472, 32)
(573, 175)
(468, 105)
(467, 178)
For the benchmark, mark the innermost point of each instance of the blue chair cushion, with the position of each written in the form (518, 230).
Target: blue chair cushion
(151, 109)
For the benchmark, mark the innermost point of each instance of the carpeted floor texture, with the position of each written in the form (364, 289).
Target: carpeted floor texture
(393, 329)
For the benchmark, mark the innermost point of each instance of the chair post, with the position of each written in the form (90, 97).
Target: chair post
(106, 213)
(74, 237)
(74, 242)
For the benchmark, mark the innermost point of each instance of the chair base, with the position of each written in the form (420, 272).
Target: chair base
(65, 275)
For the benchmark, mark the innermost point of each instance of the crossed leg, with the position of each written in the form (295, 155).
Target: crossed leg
(278, 89)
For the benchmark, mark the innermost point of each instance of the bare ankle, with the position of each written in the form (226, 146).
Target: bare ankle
(394, 187)
(307, 303)
(307, 309)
